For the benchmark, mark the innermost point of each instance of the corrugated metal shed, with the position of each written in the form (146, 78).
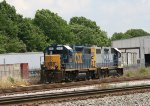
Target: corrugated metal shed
(140, 45)
(32, 58)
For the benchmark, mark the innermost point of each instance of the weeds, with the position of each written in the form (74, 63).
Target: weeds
(9, 82)
(139, 73)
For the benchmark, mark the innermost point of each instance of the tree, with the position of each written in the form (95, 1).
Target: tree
(80, 32)
(118, 36)
(32, 36)
(87, 32)
(15, 45)
(3, 42)
(84, 22)
(20, 33)
(11, 45)
(53, 26)
(9, 20)
(129, 34)
(9, 29)
(136, 32)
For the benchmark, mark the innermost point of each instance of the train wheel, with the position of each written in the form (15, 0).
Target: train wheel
(75, 74)
(66, 76)
(88, 75)
(120, 71)
(107, 73)
(100, 73)
(69, 76)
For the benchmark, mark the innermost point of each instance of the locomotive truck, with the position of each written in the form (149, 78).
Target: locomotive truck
(72, 63)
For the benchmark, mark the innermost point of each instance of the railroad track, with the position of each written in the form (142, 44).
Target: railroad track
(71, 94)
(43, 87)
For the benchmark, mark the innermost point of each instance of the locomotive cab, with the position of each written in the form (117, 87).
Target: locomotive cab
(57, 55)
(116, 57)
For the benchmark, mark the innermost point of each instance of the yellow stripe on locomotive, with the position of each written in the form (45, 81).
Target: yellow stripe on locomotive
(93, 57)
(78, 57)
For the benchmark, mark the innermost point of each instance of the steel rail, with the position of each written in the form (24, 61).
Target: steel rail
(34, 97)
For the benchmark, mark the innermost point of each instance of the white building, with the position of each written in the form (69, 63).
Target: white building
(139, 45)
(32, 58)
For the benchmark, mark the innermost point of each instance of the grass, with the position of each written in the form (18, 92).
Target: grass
(138, 73)
(9, 82)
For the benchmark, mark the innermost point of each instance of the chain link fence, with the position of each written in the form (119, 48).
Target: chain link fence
(34, 76)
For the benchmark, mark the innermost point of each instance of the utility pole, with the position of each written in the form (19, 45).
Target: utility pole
(4, 65)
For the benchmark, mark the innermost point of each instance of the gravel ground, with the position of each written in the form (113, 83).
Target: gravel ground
(138, 99)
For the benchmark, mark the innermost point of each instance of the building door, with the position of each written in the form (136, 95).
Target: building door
(147, 60)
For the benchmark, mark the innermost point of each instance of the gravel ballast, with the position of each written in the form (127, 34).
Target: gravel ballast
(138, 99)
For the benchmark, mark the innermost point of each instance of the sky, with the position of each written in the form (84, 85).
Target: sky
(111, 15)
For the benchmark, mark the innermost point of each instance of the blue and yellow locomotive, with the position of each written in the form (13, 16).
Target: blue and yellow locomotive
(71, 63)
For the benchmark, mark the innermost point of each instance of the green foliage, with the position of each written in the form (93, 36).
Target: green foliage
(9, 29)
(15, 45)
(144, 71)
(3, 42)
(86, 31)
(128, 74)
(84, 22)
(129, 34)
(117, 36)
(53, 26)
(136, 32)
(11, 44)
(32, 36)
(11, 80)
(18, 34)
(137, 73)
(9, 20)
